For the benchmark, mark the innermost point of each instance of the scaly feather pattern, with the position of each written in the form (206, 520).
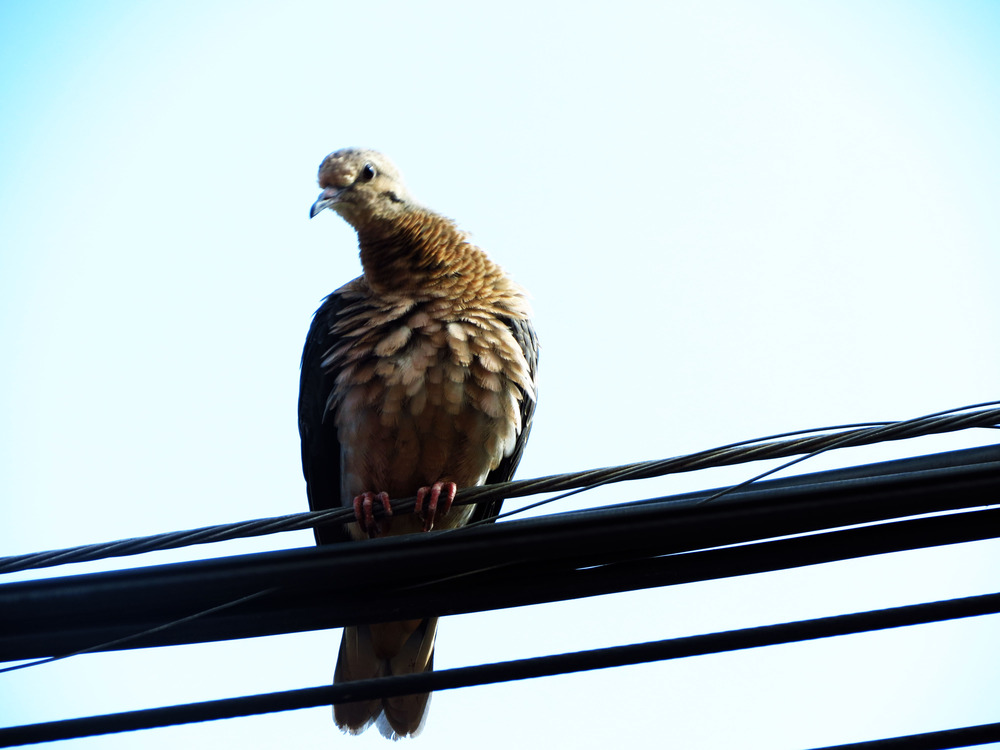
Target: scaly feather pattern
(418, 377)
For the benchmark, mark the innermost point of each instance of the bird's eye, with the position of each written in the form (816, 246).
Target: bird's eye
(367, 173)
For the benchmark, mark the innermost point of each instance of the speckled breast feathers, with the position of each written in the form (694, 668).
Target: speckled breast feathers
(437, 381)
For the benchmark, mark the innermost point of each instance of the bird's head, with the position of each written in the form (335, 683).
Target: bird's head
(362, 186)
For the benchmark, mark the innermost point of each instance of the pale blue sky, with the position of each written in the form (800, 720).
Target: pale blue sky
(734, 219)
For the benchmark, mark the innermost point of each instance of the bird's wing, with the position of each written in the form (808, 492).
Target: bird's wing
(320, 446)
(524, 334)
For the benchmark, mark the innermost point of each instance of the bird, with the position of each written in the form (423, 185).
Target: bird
(417, 378)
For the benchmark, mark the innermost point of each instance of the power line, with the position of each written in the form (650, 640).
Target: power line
(521, 669)
(802, 520)
(947, 738)
(978, 415)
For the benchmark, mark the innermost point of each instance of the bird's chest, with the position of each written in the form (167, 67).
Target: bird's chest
(422, 398)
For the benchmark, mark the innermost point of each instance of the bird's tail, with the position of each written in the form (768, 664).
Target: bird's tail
(380, 650)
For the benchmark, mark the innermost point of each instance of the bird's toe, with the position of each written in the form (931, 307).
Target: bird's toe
(364, 512)
(434, 501)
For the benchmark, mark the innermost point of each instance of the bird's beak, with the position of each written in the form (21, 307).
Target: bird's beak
(326, 199)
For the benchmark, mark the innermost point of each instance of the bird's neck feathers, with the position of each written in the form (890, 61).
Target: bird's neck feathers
(418, 250)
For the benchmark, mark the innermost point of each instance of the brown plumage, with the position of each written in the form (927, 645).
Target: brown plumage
(418, 377)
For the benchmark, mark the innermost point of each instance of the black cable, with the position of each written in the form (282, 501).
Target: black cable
(521, 669)
(784, 523)
(941, 740)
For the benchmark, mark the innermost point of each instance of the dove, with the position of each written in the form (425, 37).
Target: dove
(418, 378)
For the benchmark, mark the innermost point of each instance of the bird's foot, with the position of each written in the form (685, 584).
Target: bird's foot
(363, 512)
(438, 498)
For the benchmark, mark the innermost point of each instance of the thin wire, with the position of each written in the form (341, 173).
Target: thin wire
(141, 634)
(836, 444)
(624, 475)
(864, 427)
(750, 450)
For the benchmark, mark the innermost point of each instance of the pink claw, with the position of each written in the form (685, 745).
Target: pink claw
(365, 516)
(439, 498)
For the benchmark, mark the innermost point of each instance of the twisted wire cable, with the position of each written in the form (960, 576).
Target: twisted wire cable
(985, 414)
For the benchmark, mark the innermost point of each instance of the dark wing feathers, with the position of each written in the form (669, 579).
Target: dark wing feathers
(321, 448)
